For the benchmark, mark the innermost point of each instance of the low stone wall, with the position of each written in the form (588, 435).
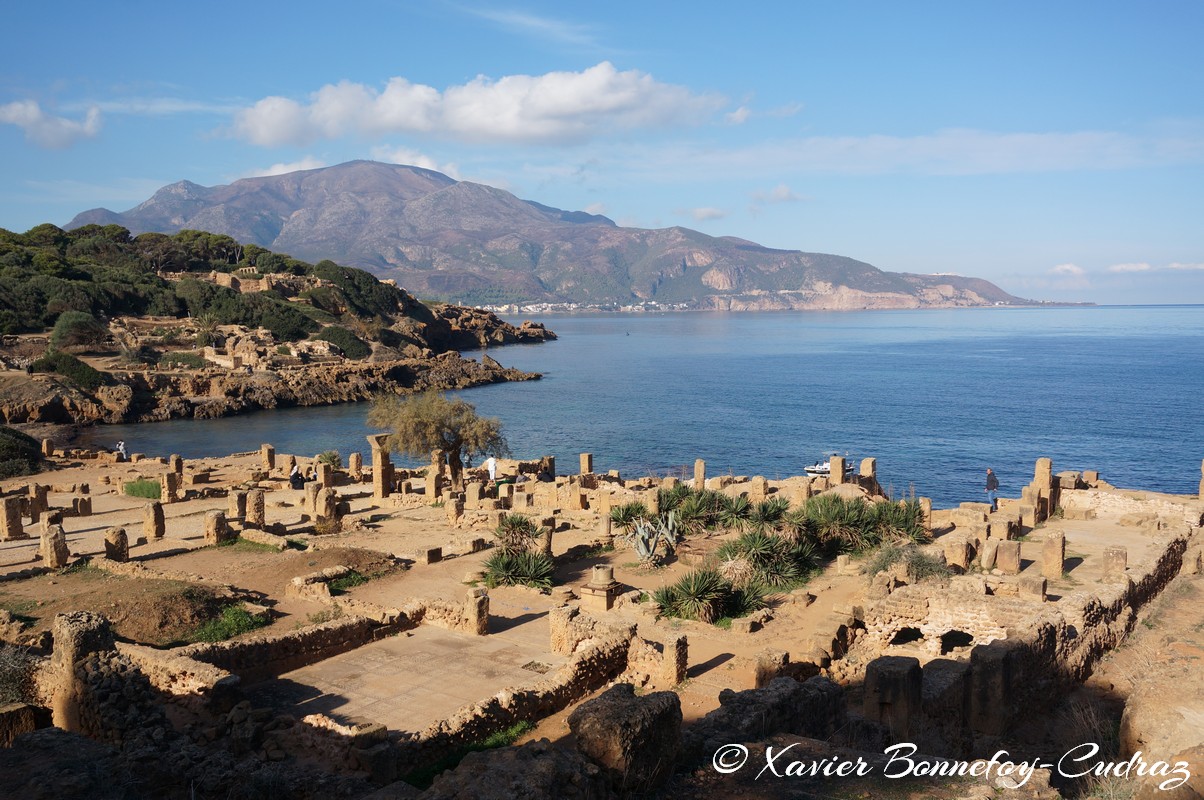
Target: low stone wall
(188, 682)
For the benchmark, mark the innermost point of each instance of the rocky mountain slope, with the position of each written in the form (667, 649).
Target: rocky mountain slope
(447, 239)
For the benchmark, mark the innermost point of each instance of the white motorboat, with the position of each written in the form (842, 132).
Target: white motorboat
(824, 468)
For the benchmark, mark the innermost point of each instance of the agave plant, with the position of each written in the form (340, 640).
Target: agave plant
(526, 568)
(700, 595)
(646, 536)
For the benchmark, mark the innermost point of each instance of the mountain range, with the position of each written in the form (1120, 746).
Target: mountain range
(457, 240)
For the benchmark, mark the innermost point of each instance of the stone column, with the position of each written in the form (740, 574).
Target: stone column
(171, 487)
(758, 489)
(154, 526)
(267, 457)
(311, 496)
(325, 473)
(38, 503)
(55, 553)
(869, 468)
(255, 514)
(289, 463)
(47, 448)
(1053, 555)
(117, 545)
(355, 466)
(700, 474)
(10, 521)
(382, 467)
(587, 463)
(476, 609)
(549, 528)
(675, 661)
(238, 505)
(175, 464)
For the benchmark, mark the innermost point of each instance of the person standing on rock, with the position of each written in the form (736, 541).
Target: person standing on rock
(121, 451)
(491, 465)
(992, 489)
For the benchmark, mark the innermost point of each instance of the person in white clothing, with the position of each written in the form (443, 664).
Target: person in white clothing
(491, 465)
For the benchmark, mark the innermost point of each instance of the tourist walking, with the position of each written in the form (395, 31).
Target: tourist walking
(121, 451)
(992, 489)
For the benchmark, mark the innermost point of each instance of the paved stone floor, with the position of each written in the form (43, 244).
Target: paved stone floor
(408, 681)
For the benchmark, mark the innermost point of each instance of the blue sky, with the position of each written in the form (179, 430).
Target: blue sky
(1056, 149)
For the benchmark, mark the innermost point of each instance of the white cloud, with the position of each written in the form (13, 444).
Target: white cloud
(778, 194)
(704, 214)
(738, 117)
(163, 106)
(555, 30)
(47, 130)
(1068, 269)
(413, 158)
(595, 208)
(1177, 265)
(556, 107)
(309, 162)
(1130, 268)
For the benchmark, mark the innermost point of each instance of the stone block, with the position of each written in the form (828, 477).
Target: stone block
(587, 463)
(81, 506)
(957, 553)
(355, 466)
(1007, 558)
(893, 695)
(1090, 477)
(325, 474)
(172, 483)
(237, 507)
(836, 470)
(700, 474)
(990, 552)
(11, 527)
(968, 584)
(216, 529)
(267, 457)
(758, 489)
(1116, 561)
(431, 556)
(1032, 587)
(326, 507)
(117, 545)
(869, 468)
(636, 740)
(1053, 555)
(176, 464)
(454, 509)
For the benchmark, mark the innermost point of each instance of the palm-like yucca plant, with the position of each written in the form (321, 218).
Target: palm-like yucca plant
(694, 513)
(523, 568)
(700, 595)
(670, 499)
(626, 516)
(796, 526)
(842, 524)
(734, 513)
(516, 532)
(737, 570)
(770, 511)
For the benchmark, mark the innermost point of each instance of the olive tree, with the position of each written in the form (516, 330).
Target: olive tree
(431, 421)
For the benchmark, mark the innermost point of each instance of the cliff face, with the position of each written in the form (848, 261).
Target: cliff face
(155, 396)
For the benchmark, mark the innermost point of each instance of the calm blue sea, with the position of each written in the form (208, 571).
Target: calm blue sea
(936, 395)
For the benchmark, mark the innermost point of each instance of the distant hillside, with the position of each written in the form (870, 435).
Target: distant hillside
(447, 239)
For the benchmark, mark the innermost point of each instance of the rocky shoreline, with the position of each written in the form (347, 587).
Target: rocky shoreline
(145, 396)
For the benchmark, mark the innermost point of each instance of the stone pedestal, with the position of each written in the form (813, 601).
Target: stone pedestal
(1033, 588)
(758, 489)
(237, 506)
(311, 496)
(216, 530)
(598, 596)
(893, 693)
(327, 508)
(172, 481)
(836, 470)
(382, 466)
(325, 473)
(267, 457)
(355, 467)
(587, 463)
(176, 464)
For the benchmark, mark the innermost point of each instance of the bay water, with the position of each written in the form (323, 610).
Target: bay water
(937, 396)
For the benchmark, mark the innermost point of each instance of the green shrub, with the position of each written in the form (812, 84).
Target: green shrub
(920, 566)
(144, 487)
(71, 368)
(516, 533)
(706, 596)
(625, 517)
(349, 581)
(77, 328)
(352, 346)
(189, 360)
(234, 620)
(19, 454)
(423, 778)
(513, 569)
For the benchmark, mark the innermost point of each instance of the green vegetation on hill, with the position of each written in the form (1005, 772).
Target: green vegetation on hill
(352, 346)
(19, 454)
(48, 275)
(71, 368)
